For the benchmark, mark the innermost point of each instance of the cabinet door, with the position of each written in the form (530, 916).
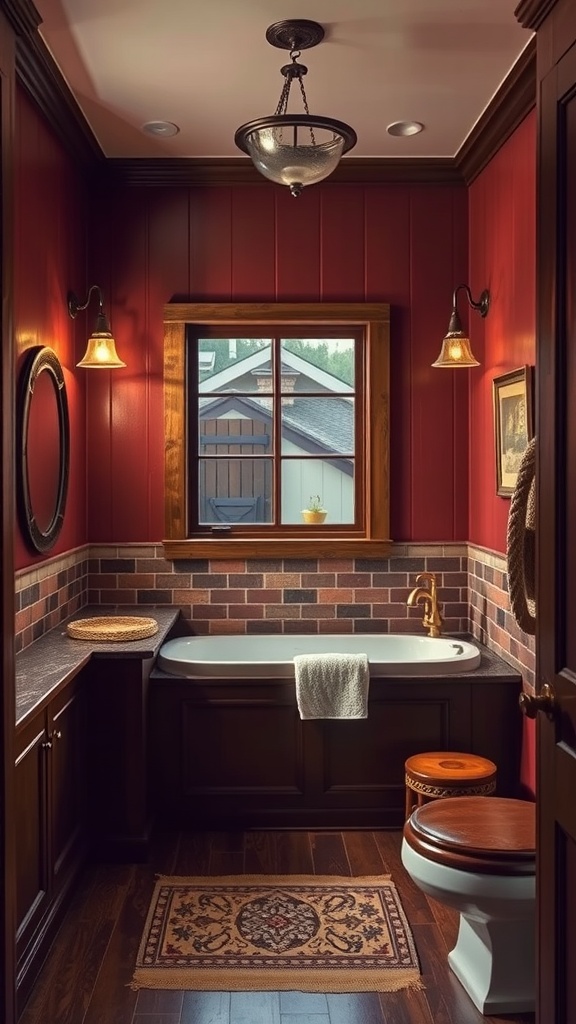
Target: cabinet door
(31, 834)
(67, 784)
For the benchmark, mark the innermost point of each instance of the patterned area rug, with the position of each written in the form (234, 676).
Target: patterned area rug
(266, 932)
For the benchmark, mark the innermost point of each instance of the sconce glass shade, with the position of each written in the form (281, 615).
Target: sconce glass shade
(456, 350)
(100, 351)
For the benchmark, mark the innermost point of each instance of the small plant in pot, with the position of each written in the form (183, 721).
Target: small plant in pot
(314, 513)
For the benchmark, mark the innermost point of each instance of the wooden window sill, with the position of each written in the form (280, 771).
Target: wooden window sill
(333, 547)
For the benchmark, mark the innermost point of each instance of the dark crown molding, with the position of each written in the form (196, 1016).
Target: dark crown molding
(531, 13)
(38, 72)
(184, 171)
(515, 98)
(22, 15)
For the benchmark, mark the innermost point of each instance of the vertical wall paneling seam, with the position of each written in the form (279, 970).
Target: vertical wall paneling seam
(365, 245)
(231, 189)
(454, 381)
(408, 397)
(321, 247)
(147, 367)
(189, 244)
(276, 246)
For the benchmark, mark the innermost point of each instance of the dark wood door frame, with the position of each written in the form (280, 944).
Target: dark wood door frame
(7, 703)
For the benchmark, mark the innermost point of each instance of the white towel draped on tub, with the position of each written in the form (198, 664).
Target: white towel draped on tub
(332, 685)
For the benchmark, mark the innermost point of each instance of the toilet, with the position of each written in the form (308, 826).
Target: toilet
(477, 855)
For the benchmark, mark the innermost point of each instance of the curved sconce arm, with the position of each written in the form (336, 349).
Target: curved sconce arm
(101, 349)
(456, 350)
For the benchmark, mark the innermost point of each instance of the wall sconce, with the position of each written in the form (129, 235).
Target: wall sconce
(295, 149)
(100, 351)
(456, 349)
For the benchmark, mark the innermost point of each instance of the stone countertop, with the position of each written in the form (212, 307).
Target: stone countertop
(56, 658)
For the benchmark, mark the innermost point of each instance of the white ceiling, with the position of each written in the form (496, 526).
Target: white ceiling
(206, 65)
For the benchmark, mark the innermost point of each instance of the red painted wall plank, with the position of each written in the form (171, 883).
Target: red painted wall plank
(253, 244)
(49, 256)
(210, 245)
(387, 219)
(298, 245)
(342, 234)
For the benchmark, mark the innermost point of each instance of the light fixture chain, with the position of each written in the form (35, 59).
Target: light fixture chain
(305, 102)
(284, 95)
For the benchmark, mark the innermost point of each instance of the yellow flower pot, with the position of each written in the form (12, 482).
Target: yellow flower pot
(313, 517)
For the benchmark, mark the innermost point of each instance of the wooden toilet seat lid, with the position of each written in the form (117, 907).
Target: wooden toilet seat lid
(485, 834)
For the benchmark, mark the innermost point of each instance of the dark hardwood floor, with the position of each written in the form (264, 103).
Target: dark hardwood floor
(87, 975)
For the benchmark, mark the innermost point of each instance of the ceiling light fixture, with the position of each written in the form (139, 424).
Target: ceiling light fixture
(405, 128)
(295, 149)
(162, 128)
(456, 350)
(101, 348)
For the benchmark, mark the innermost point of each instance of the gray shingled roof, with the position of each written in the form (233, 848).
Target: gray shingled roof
(327, 421)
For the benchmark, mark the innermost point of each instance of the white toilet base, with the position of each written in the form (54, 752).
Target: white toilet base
(494, 961)
(493, 958)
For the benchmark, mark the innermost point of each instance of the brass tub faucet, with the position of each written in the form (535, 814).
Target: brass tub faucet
(432, 620)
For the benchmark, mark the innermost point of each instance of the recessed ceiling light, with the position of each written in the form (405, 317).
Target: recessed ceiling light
(165, 128)
(405, 128)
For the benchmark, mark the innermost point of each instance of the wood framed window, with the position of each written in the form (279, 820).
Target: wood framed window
(266, 407)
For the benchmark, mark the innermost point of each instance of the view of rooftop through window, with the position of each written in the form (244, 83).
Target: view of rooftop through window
(275, 422)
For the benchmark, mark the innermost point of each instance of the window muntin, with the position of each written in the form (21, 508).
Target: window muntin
(369, 536)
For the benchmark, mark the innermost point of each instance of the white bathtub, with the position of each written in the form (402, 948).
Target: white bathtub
(272, 656)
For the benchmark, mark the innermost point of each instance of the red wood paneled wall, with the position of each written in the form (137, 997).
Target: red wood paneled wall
(49, 258)
(502, 224)
(402, 244)
(502, 221)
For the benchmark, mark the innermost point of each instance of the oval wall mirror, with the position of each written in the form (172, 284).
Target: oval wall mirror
(44, 439)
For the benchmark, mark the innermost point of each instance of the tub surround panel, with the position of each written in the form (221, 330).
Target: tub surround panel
(275, 770)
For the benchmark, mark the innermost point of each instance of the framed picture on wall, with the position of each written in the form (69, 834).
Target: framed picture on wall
(513, 424)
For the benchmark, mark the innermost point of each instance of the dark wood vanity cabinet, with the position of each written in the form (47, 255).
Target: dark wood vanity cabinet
(50, 823)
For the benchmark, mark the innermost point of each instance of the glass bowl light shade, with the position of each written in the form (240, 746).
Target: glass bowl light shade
(295, 150)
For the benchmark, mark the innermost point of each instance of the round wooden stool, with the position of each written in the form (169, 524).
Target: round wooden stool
(443, 773)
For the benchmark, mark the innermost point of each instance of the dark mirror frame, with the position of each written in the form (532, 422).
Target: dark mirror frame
(41, 360)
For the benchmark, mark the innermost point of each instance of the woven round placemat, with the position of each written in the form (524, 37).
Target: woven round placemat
(112, 627)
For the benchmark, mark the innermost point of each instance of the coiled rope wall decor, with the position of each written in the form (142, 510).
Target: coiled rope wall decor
(521, 543)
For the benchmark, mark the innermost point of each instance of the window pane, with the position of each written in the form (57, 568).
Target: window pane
(235, 425)
(331, 364)
(234, 364)
(235, 491)
(331, 480)
(318, 425)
